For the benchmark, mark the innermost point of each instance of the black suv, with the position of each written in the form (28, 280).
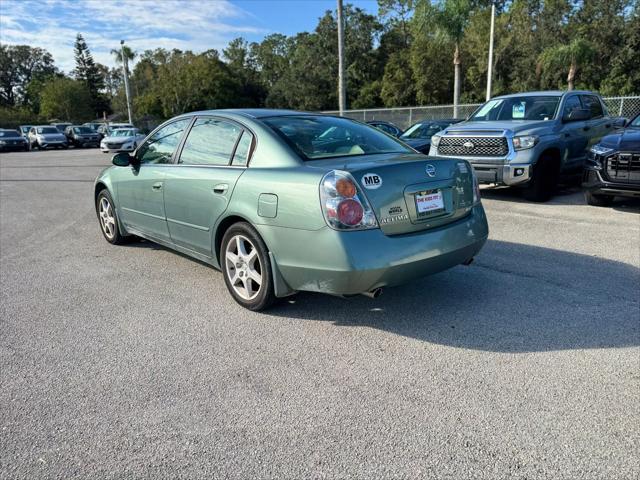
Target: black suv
(613, 166)
(82, 136)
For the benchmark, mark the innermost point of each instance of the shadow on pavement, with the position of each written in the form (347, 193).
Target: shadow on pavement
(514, 298)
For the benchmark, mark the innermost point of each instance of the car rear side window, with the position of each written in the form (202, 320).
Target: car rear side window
(160, 147)
(210, 142)
(243, 150)
(571, 104)
(592, 103)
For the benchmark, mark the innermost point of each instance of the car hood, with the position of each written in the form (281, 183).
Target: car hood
(417, 142)
(515, 126)
(627, 139)
(52, 136)
(117, 139)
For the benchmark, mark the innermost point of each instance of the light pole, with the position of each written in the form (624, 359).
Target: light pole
(342, 91)
(490, 65)
(125, 73)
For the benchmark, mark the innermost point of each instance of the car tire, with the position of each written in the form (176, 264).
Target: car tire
(598, 200)
(108, 218)
(245, 264)
(544, 180)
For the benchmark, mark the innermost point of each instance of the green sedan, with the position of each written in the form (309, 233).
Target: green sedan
(283, 201)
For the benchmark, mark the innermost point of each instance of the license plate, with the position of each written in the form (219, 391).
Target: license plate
(429, 202)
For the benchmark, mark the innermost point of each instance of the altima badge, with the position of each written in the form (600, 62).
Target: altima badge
(431, 170)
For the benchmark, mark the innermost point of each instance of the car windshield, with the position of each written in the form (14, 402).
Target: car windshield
(318, 137)
(9, 133)
(518, 108)
(47, 130)
(424, 130)
(25, 129)
(123, 132)
(82, 130)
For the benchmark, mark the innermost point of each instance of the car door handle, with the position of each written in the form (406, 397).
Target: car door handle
(221, 188)
(157, 186)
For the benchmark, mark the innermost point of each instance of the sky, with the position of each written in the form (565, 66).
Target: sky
(195, 25)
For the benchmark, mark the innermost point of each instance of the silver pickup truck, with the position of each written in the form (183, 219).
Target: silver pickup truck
(528, 139)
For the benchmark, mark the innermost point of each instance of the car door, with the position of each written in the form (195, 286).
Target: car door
(198, 190)
(599, 125)
(140, 187)
(574, 135)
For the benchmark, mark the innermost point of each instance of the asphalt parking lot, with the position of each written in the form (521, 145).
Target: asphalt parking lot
(134, 361)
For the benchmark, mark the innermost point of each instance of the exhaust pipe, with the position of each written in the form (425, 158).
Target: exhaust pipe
(375, 293)
(468, 262)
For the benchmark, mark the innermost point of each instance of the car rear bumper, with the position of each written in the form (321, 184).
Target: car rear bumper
(349, 263)
(596, 184)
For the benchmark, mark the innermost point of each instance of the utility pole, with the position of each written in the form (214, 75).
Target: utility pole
(125, 73)
(490, 65)
(342, 91)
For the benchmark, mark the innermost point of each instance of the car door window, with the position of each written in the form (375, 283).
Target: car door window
(592, 103)
(572, 103)
(243, 150)
(210, 142)
(160, 147)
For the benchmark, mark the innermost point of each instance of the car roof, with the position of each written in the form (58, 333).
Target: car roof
(547, 93)
(254, 112)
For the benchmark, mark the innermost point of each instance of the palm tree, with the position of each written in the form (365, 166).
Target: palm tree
(571, 56)
(447, 21)
(117, 53)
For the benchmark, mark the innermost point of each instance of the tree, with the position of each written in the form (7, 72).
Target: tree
(66, 99)
(243, 68)
(624, 75)
(19, 64)
(448, 20)
(568, 57)
(88, 72)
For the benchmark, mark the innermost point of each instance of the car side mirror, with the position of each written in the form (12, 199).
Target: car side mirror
(122, 159)
(620, 122)
(577, 115)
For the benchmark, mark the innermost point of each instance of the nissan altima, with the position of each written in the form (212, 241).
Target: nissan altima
(284, 201)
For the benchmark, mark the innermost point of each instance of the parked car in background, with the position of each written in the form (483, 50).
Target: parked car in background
(46, 136)
(418, 135)
(93, 125)
(11, 140)
(530, 140)
(61, 126)
(82, 136)
(613, 167)
(106, 128)
(24, 131)
(283, 201)
(387, 127)
(122, 140)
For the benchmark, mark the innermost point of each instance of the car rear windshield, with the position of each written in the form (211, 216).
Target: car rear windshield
(424, 130)
(47, 130)
(518, 108)
(318, 137)
(82, 130)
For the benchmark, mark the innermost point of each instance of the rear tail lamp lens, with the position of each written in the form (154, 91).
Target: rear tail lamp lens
(344, 205)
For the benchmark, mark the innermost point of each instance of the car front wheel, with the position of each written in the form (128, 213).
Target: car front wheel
(108, 218)
(245, 264)
(598, 200)
(544, 181)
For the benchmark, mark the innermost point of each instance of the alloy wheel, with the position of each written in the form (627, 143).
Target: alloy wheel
(243, 267)
(107, 220)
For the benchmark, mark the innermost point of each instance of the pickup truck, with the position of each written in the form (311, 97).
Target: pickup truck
(530, 140)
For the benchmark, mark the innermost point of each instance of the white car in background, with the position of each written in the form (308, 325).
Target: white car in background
(122, 140)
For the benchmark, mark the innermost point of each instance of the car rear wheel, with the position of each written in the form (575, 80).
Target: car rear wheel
(598, 200)
(246, 267)
(544, 180)
(108, 218)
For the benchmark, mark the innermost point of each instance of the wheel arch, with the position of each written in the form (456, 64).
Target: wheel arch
(552, 152)
(221, 229)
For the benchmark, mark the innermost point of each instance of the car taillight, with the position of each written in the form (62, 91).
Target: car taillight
(344, 205)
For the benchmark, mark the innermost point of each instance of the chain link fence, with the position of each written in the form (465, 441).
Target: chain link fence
(403, 117)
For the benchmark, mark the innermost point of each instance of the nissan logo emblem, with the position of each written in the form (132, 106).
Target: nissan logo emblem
(468, 145)
(431, 170)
